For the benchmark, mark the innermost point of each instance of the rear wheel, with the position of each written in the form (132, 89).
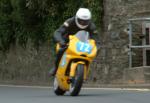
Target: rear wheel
(57, 89)
(77, 81)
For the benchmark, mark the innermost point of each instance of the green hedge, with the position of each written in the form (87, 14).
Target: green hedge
(36, 20)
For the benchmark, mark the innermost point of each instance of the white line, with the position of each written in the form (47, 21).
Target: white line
(46, 87)
(22, 86)
(125, 89)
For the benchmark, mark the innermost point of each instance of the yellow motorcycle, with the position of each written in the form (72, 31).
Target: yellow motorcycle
(73, 68)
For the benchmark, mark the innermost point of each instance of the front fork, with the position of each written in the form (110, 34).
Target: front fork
(74, 67)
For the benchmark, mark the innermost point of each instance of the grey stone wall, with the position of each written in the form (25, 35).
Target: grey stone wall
(26, 66)
(137, 75)
(114, 53)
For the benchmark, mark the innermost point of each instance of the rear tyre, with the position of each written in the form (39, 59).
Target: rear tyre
(77, 81)
(57, 90)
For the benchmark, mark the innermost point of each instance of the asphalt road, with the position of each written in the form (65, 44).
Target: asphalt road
(46, 95)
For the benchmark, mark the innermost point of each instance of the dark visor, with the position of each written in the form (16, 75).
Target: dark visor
(83, 22)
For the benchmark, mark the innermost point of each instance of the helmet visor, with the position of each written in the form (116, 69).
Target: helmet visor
(83, 22)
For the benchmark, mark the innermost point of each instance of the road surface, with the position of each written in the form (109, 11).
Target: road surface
(13, 94)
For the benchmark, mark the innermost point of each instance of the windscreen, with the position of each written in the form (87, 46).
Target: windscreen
(83, 36)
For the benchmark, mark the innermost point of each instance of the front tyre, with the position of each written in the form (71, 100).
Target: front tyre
(57, 89)
(77, 81)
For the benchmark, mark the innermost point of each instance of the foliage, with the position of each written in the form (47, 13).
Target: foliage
(36, 20)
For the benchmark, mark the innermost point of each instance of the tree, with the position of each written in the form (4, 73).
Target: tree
(36, 20)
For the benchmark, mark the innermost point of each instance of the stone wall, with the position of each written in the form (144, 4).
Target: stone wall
(137, 75)
(115, 37)
(26, 65)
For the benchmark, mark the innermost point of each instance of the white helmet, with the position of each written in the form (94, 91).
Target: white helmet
(82, 18)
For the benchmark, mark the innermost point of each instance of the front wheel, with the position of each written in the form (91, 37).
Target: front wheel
(57, 89)
(77, 81)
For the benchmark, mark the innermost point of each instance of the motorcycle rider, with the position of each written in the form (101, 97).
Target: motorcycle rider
(81, 21)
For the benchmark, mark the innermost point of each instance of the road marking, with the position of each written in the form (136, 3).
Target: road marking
(125, 89)
(46, 87)
(22, 86)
